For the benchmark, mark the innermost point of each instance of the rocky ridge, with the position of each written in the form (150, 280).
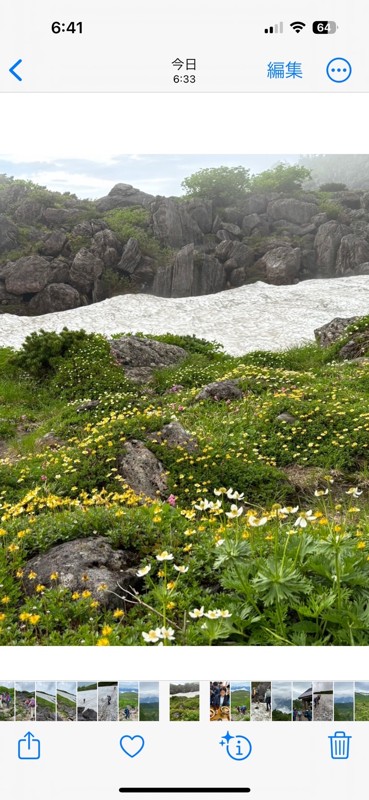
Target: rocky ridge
(59, 253)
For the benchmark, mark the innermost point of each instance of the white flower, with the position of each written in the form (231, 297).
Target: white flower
(143, 571)
(289, 509)
(203, 505)
(182, 570)
(220, 491)
(304, 518)
(213, 614)
(165, 556)
(224, 613)
(167, 633)
(354, 491)
(235, 495)
(255, 522)
(320, 492)
(152, 636)
(219, 542)
(197, 612)
(234, 512)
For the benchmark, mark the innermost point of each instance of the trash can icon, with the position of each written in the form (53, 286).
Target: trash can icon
(340, 745)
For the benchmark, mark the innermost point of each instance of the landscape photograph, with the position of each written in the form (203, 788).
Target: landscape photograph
(261, 701)
(149, 701)
(343, 701)
(45, 701)
(184, 702)
(25, 701)
(322, 701)
(107, 696)
(6, 701)
(302, 701)
(281, 701)
(86, 701)
(128, 701)
(240, 701)
(66, 699)
(184, 380)
(362, 701)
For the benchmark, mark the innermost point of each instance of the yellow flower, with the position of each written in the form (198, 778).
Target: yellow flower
(40, 588)
(102, 587)
(75, 596)
(94, 604)
(118, 613)
(187, 548)
(13, 548)
(19, 573)
(32, 575)
(360, 545)
(24, 616)
(2, 617)
(5, 600)
(170, 585)
(171, 605)
(34, 618)
(54, 576)
(156, 519)
(103, 642)
(86, 593)
(107, 630)
(3, 532)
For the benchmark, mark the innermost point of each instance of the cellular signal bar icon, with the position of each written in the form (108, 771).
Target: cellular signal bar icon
(277, 28)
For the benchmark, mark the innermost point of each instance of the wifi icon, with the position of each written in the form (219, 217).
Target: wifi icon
(298, 26)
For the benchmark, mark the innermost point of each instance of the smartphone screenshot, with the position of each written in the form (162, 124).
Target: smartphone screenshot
(184, 383)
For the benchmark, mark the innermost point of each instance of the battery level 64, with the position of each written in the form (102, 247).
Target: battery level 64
(324, 26)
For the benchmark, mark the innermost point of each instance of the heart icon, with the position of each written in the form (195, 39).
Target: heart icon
(132, 745)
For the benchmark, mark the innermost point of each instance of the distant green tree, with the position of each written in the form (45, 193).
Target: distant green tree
(223, 185)
(333, 187)
(282, 178)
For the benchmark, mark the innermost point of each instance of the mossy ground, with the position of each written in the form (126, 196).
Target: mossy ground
(290, 568)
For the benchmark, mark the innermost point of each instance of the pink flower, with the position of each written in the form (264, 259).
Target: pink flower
(172, 500)
(44, 477)
(181, 408)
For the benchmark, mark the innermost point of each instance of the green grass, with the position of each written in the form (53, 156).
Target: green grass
(129, 699)
(184, 709)
(65, 701)
(149, 712)
(343, 712)
(361, 707)
(278, 577)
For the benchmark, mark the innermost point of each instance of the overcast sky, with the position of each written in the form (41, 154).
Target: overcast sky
(94, 176)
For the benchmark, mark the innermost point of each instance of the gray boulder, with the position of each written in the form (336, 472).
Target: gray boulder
(8, 234)
(28, 212)
(173, 225)
(279, 266)
(55, 297)
(183, 272)
(141, 470)
(131, 257)
(60, 216)
(27, 275)
(327, 242)
(353, 251)
(208, 275)
(107, 247)
(292, 210)
(123, 195)
(175, 435)
(139, 357)
(85, 270)
(220, 390)
(94, 557)
(54, 243)
(202, 212)
(255, 204)
(333, 330)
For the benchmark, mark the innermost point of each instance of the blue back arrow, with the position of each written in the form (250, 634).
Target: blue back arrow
(13, 68)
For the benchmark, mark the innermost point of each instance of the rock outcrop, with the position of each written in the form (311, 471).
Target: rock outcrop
(139, 356)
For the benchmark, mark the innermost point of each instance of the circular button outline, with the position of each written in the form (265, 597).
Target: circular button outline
(338, 58)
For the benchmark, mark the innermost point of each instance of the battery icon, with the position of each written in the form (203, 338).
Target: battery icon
(324, 26)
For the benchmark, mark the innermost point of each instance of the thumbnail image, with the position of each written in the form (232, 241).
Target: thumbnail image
(128, 701)
(220, 701)
(108, 701)
(195, 281)
(66, 699)
(86, 701)
(45, 701)
(281, 701)
(25, 701)
(302, 701)
(261, 701)
(322, 701)
(6, 701)
(240, 701)
(362, 701)
(343, 693)
(184, 702)
(149, 702)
